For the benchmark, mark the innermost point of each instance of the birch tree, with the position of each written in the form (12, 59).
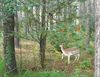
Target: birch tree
(97, 38)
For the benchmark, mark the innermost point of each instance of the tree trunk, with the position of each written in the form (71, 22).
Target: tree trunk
(9, 51)
(17, 32)
(8, 25)
(97, 38)
(42, 50)
(88, 24)
(26, 26)
(43, 35)
(59, 10)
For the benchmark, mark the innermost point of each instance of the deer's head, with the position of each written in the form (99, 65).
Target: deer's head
(61, 45)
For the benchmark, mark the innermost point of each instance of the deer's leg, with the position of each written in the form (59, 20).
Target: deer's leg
(62, 55)
(78, 55)
(68, 59)
(75, 58)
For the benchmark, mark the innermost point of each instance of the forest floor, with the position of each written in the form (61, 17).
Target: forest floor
(28, 58)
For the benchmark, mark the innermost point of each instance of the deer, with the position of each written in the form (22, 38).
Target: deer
(69, 52)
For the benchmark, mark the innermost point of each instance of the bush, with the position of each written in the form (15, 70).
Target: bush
(85, 64)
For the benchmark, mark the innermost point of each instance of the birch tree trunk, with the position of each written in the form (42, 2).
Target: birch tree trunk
(97, 38)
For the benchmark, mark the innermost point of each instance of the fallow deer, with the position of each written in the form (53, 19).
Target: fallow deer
(69, 52)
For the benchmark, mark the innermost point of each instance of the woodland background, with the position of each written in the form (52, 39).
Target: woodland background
(32, 30)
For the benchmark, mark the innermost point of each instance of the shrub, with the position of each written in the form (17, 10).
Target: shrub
(85, 64)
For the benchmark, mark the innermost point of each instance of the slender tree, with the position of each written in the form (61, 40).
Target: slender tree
(17, 32)
(88, 24)
(97, 38)
(8, 25)
(43, 34)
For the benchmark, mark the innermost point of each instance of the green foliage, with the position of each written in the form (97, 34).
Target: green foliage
(67, 35)
(9, 7)
(90, 50)
(58, 36)
(85, 64)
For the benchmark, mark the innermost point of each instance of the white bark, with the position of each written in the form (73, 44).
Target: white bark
(97, 38)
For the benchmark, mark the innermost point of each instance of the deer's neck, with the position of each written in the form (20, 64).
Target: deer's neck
(62, 49)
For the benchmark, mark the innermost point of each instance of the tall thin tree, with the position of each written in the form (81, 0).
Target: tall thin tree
(17, 31)
(97, 38)
(8, 25)
(88, 24)
(43, 34)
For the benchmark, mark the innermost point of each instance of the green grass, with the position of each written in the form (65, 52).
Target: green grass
(29, 73)
(2, 71)
(43, 74)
